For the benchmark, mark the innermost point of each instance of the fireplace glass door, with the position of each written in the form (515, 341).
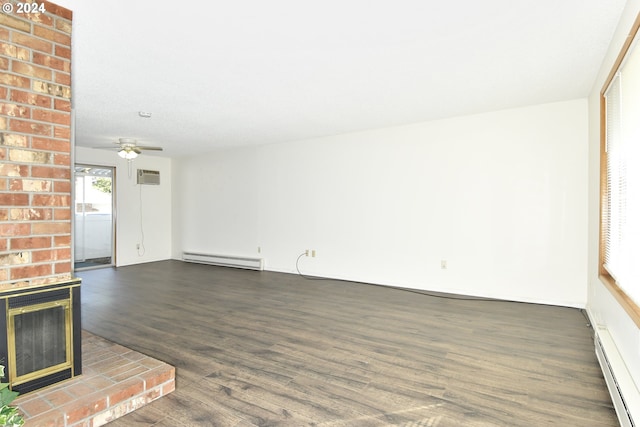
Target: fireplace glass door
(40, 335)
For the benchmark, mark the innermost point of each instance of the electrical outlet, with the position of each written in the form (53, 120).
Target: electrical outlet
(443, 264)
(313, 253)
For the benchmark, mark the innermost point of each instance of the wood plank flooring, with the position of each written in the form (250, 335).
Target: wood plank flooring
(270, 349)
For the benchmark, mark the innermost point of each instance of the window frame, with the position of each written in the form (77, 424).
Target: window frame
(628, 304)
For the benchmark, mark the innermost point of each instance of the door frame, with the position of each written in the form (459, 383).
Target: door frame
(85, 165)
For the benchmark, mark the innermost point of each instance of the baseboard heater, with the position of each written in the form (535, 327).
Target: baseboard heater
(622, 388)
(249, 263)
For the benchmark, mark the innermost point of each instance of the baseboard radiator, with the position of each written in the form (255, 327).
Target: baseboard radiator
(624, 393)
(249, 263)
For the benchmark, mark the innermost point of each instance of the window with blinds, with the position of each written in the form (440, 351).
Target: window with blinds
(620, 248)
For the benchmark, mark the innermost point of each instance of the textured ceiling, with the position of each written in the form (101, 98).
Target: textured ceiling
(231, 73)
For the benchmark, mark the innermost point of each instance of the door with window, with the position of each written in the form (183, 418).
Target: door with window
(94, 220)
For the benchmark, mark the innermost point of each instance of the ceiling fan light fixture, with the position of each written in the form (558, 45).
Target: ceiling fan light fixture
(127, 153)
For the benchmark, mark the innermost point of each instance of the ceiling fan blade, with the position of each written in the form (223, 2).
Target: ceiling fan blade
(136, 150)
(146, 147)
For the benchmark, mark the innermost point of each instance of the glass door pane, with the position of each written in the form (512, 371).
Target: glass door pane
(41, 339)
(94, 225)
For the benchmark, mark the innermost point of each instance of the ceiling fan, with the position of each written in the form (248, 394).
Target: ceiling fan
(129, 149)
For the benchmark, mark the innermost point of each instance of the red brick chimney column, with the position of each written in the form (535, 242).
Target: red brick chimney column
(35, 144)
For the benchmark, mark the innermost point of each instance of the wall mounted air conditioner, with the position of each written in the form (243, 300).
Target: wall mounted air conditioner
(148, 177)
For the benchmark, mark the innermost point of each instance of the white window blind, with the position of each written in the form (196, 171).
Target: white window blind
(622, 220)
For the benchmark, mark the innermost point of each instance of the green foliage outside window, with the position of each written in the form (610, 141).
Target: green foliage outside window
(102, 184)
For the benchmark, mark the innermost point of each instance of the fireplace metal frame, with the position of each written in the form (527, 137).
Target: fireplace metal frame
(19, 301)
(18, 379)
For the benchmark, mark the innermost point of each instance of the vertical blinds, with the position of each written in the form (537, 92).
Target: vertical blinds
(622, 210)
(615, 180)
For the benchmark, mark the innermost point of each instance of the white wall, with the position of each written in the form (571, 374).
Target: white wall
(602, 306)
(153, 202)
(501, 196)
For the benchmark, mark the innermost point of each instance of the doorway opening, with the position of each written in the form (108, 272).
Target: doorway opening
(94, 220)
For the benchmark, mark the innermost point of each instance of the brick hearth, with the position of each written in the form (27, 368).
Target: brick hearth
(115, 382)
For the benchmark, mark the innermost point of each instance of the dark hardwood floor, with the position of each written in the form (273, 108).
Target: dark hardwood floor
(269, 349)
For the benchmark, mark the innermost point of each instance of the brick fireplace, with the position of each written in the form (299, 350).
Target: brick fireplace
(35, 181)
